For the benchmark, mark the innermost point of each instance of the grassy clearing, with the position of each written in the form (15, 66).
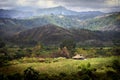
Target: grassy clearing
(56, 65)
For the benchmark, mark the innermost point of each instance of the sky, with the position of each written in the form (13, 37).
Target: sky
(76, 5)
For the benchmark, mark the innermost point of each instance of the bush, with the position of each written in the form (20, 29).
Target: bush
(31, 74)
(3, 77)
(15, 76)
(116, 65)
(112, 75)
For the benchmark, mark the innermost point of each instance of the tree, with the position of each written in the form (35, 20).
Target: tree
(81, 51)
(65, 53)
(31, 74)
(2, 44)
(70, 45)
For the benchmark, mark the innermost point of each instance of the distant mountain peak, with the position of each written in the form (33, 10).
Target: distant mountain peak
(60, 7)
(31, 12)
(57, 8)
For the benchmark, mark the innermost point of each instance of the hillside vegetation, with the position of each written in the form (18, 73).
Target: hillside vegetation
(108, 22)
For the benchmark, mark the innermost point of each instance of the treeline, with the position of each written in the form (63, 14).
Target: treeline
(67, 49)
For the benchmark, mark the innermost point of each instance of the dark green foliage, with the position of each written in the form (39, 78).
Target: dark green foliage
(19, 54)
(116, 51)
(85, 77)
(4, 56)
(3, 77)
(31, 74)
(88, 65)
(116, 43)
(116, 65)
(101, 23)
(44, 77)
(15, 76)
(63, 74)
(70, 45)
(2, 44)
(113, 75)
(86, 72)
(3, 60)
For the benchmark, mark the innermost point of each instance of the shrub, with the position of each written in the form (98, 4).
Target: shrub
(3, 77)
(116, 65)
(62, 74)
(31, 74)
(112, 75)
(15, 76)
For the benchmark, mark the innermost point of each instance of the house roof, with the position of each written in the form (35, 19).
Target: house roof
(77, 57)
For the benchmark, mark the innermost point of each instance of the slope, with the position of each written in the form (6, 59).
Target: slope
(108, 22)
(48, 34)
(54, 35)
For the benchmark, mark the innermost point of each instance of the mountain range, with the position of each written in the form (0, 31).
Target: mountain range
(54, 35)
(51, 26)
(18, 13)
(105, 22)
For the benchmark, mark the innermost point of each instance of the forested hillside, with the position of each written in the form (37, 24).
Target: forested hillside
(108, 22)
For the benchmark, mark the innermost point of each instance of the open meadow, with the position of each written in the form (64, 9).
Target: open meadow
(61, 68)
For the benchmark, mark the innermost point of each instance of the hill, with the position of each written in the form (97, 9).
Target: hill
(48, 34)
(54, 35)
(9, 28)
(108, 22)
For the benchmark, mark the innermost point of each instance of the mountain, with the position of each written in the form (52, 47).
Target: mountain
(56, 11)
(48, 34)
(9, 28)
(51, 26)
(18, 13)
(54, 35)
(60, 20)
(108, 22)
(15, 14)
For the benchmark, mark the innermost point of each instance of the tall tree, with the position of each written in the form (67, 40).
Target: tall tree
(70, 45)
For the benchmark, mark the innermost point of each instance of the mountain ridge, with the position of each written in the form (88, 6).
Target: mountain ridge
(59, 10)
(107, 22)
(53, 35)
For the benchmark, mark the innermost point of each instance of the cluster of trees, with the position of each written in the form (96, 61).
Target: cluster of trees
(3, 53)
(66, 49)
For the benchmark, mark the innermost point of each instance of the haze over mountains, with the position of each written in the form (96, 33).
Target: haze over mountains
(52, 25)
(18, 13)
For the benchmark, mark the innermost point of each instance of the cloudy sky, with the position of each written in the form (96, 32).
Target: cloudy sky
(76, 5)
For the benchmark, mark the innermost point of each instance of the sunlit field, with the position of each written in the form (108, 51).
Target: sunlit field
(56, 66)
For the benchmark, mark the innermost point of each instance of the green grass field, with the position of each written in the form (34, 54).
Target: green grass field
(57, 65)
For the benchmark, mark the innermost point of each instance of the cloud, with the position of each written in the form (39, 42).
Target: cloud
(46, 3)
(78, 5)
(90, 3)
(100, 5)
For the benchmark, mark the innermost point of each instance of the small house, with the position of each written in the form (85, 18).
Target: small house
(78, 57)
